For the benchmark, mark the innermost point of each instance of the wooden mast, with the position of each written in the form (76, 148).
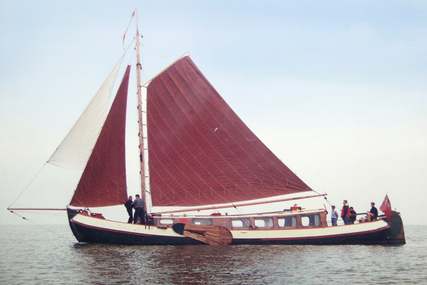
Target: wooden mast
(140, 118)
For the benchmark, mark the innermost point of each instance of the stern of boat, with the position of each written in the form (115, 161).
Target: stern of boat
(396, 235)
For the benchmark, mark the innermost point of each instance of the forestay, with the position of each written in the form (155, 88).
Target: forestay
(82, 137)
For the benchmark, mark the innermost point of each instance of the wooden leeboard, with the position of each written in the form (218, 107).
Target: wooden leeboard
(214, 235)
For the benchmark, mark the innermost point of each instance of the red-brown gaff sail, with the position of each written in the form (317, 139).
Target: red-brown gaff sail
(200, 151)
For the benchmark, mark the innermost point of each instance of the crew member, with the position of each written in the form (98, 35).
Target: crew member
(138, 204)
(345, 213)
(129, 208)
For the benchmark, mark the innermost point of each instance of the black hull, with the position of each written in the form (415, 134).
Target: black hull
(110, 237)
(393, 235)
(84, 233)
(356, 238)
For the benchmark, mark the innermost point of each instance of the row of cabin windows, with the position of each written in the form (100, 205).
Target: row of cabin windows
(204, 222)
(308, 220)
(264, 222)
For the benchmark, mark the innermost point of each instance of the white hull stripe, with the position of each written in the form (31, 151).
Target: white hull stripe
(260, 234)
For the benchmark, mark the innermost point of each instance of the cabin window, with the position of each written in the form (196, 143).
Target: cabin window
(204, 222)
(287, 222)
(166, 221)
(240, 223)
(310, 221)
(264, 222)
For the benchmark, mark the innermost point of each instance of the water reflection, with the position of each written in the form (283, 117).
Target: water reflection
(197, 264)
(204, 264)
(32, 255)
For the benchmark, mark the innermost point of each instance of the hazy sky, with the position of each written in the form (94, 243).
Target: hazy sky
(336, 89)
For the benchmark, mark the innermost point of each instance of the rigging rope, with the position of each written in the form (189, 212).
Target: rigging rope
(52, 232)
(32, 180)
(44, 165)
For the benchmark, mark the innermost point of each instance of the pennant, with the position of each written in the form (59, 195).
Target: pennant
(386, 208)
(124, 36)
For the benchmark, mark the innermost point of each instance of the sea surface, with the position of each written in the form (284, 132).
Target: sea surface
(50, 255)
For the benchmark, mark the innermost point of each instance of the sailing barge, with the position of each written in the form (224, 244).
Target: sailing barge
(200, 156)
(266, 228)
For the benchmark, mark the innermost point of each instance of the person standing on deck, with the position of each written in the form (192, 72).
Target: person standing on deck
(129, 208)
(373, 211)
(353, 215)
(345, 213)
(334, 216)
(138, 204)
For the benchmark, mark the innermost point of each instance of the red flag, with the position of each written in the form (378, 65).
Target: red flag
(386, 208)
(124, 36)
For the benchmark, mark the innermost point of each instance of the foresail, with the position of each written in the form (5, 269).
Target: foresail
(75, 149)
(103, 182)
(200, 151)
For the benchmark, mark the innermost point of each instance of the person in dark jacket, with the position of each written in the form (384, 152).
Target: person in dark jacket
(345, 213)
(373, 211)
(353, 215)
(129, 208)
(138, 204)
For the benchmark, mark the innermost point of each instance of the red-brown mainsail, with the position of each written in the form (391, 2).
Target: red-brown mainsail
(200, 151)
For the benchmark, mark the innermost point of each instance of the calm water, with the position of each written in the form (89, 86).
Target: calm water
(33, 255)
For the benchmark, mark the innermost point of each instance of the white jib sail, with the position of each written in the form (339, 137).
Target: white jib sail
(75, 149)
